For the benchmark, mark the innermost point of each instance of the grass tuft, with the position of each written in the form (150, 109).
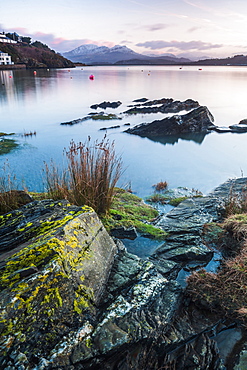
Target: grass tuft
(91, 175)
(160, 186)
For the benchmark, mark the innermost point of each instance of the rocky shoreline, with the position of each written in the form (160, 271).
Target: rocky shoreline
(73, 298)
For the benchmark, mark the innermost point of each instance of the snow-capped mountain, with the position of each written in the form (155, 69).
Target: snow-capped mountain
(87, 49)
(93, 54)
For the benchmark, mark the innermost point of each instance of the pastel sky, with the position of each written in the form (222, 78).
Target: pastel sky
(215, 28)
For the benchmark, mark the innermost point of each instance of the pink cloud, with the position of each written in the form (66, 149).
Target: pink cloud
(59, 44)
(179, 45)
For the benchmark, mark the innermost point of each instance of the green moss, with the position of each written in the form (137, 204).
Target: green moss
(88, 342)
(104, 117)
(47, 248)
(7, 145)
(129, 210)
(5, 134)
(43, 297)
(157, 198)
(176, 201)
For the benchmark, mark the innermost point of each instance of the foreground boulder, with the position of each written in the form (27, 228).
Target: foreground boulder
(199, 120)
(56, 260)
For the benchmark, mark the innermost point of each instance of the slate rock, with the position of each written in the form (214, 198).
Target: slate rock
(198, 120)
(51, 278)
(123, 232)
(106, 104)
(238, 128)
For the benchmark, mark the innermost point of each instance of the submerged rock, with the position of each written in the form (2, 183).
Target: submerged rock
(198, 120)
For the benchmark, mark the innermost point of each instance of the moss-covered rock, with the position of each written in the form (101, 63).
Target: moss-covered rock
(55, 260)
(128, 211)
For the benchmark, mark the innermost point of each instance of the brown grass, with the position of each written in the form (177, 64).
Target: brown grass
(10, 198)
(224, 292)
(92, 173)
(160, 186)
(236, 225)
(236, 203)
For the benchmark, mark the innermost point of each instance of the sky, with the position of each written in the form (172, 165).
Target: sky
(210, 28)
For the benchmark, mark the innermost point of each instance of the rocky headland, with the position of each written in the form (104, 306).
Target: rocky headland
(72, 297)
(35, 55)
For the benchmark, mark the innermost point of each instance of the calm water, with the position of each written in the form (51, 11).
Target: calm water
(40, 103)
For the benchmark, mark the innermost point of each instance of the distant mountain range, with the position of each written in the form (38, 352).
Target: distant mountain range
(93, 54)
(121, 55)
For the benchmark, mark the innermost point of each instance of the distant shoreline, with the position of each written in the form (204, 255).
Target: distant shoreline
(12, 66)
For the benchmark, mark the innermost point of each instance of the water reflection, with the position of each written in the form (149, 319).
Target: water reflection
(173, 139)
(40, 103)
(23, 85)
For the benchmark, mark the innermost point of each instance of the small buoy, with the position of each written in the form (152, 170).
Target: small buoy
(91, 77)
(68, 70)
(200, 69)
(10, 76)
(34, 72)
(180, 67)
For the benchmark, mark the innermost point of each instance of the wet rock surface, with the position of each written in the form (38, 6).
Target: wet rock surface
(74, 298)
(164, 105)
(240, 127)
(106, 104)
(199, 120)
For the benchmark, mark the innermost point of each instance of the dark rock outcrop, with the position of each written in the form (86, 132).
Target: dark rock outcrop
(198, 120)
(72, 298)
(241, 127)
(164, 105)
(106, 104)
(122, 233)
(109, 128)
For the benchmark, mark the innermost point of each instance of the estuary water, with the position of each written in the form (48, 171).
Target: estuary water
(41, 102)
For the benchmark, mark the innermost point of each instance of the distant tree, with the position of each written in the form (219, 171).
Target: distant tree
(40, 45)
(26, 39)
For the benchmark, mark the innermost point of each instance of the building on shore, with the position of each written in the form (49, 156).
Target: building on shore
(5, 59)
(4, 38)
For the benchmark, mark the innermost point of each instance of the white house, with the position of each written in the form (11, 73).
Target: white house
(5, 58)
(4, 38)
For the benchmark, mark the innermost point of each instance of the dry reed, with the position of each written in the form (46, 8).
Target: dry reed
(92, 173)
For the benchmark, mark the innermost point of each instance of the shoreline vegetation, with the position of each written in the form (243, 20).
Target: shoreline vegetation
(93, 169)
(224, 292)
